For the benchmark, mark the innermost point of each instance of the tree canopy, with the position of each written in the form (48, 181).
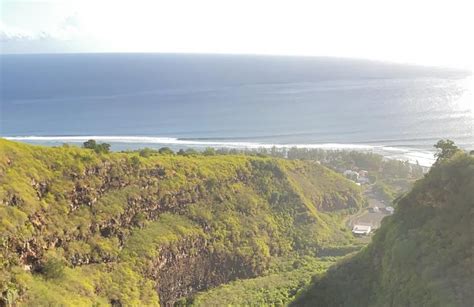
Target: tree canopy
(98, 148)
(446, 150)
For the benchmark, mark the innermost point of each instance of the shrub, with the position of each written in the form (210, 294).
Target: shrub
(209, 151)
(53, 268)
(135, 161)
(146, 152)
(166, 151)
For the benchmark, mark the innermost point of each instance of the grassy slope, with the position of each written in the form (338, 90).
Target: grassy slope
(80, 228)
(421, 256)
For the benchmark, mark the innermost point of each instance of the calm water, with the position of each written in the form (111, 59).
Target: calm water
(136, 100)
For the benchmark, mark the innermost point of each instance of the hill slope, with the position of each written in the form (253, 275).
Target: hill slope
(423, 255)
(81, 228)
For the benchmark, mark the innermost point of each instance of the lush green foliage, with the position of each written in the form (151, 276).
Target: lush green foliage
(98, 148)
(276, 288)
(421, 256)
(446, 150)
(385, 191)
(79, 227)
(393, 177)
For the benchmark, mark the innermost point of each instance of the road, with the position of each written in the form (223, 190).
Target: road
(368, 216)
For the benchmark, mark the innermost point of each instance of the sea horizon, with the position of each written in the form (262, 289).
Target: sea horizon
(235, 101)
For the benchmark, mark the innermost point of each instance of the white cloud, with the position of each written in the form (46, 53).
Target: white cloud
(12, 34)
(67, 29)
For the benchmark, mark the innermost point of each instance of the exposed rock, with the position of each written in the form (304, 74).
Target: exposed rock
(172, 269)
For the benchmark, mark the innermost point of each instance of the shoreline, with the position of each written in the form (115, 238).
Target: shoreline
(423, 157)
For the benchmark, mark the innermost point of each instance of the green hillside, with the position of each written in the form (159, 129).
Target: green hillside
(275, 288)
(81, 227)
(423, 255)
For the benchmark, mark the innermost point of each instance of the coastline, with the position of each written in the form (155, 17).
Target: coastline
(421, 156)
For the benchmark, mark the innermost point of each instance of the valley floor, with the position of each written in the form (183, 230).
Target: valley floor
(278, 287)
(372, 215)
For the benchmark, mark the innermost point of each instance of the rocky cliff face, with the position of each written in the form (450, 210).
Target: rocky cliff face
(163, 225)
(191, 266)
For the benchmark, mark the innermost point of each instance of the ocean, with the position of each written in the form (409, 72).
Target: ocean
(155, 100)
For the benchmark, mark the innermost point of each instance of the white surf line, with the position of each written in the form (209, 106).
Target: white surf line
(424, 157)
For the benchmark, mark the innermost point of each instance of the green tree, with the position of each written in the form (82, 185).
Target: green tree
(187, 152)
(446, 149)
(90, 144)
(209, 151)
(98, 148)
(166, 151)
(146, 152)
(103, 148)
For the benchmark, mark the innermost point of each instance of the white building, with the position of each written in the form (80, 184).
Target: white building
(361, 230)
(351, 174)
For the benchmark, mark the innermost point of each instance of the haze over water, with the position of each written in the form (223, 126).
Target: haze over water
(154, 100)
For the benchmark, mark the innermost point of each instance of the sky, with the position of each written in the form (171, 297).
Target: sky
(435, 33)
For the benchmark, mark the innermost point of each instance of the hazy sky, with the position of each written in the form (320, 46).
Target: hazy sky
(415, 31)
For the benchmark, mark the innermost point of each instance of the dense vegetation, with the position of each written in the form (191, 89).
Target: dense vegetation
(98, 148)
(277, 287)
(392, 178)
(341, 160)
(89, 227)
(423, 255)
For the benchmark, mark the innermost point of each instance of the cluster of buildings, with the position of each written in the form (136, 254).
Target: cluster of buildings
(360, 177)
